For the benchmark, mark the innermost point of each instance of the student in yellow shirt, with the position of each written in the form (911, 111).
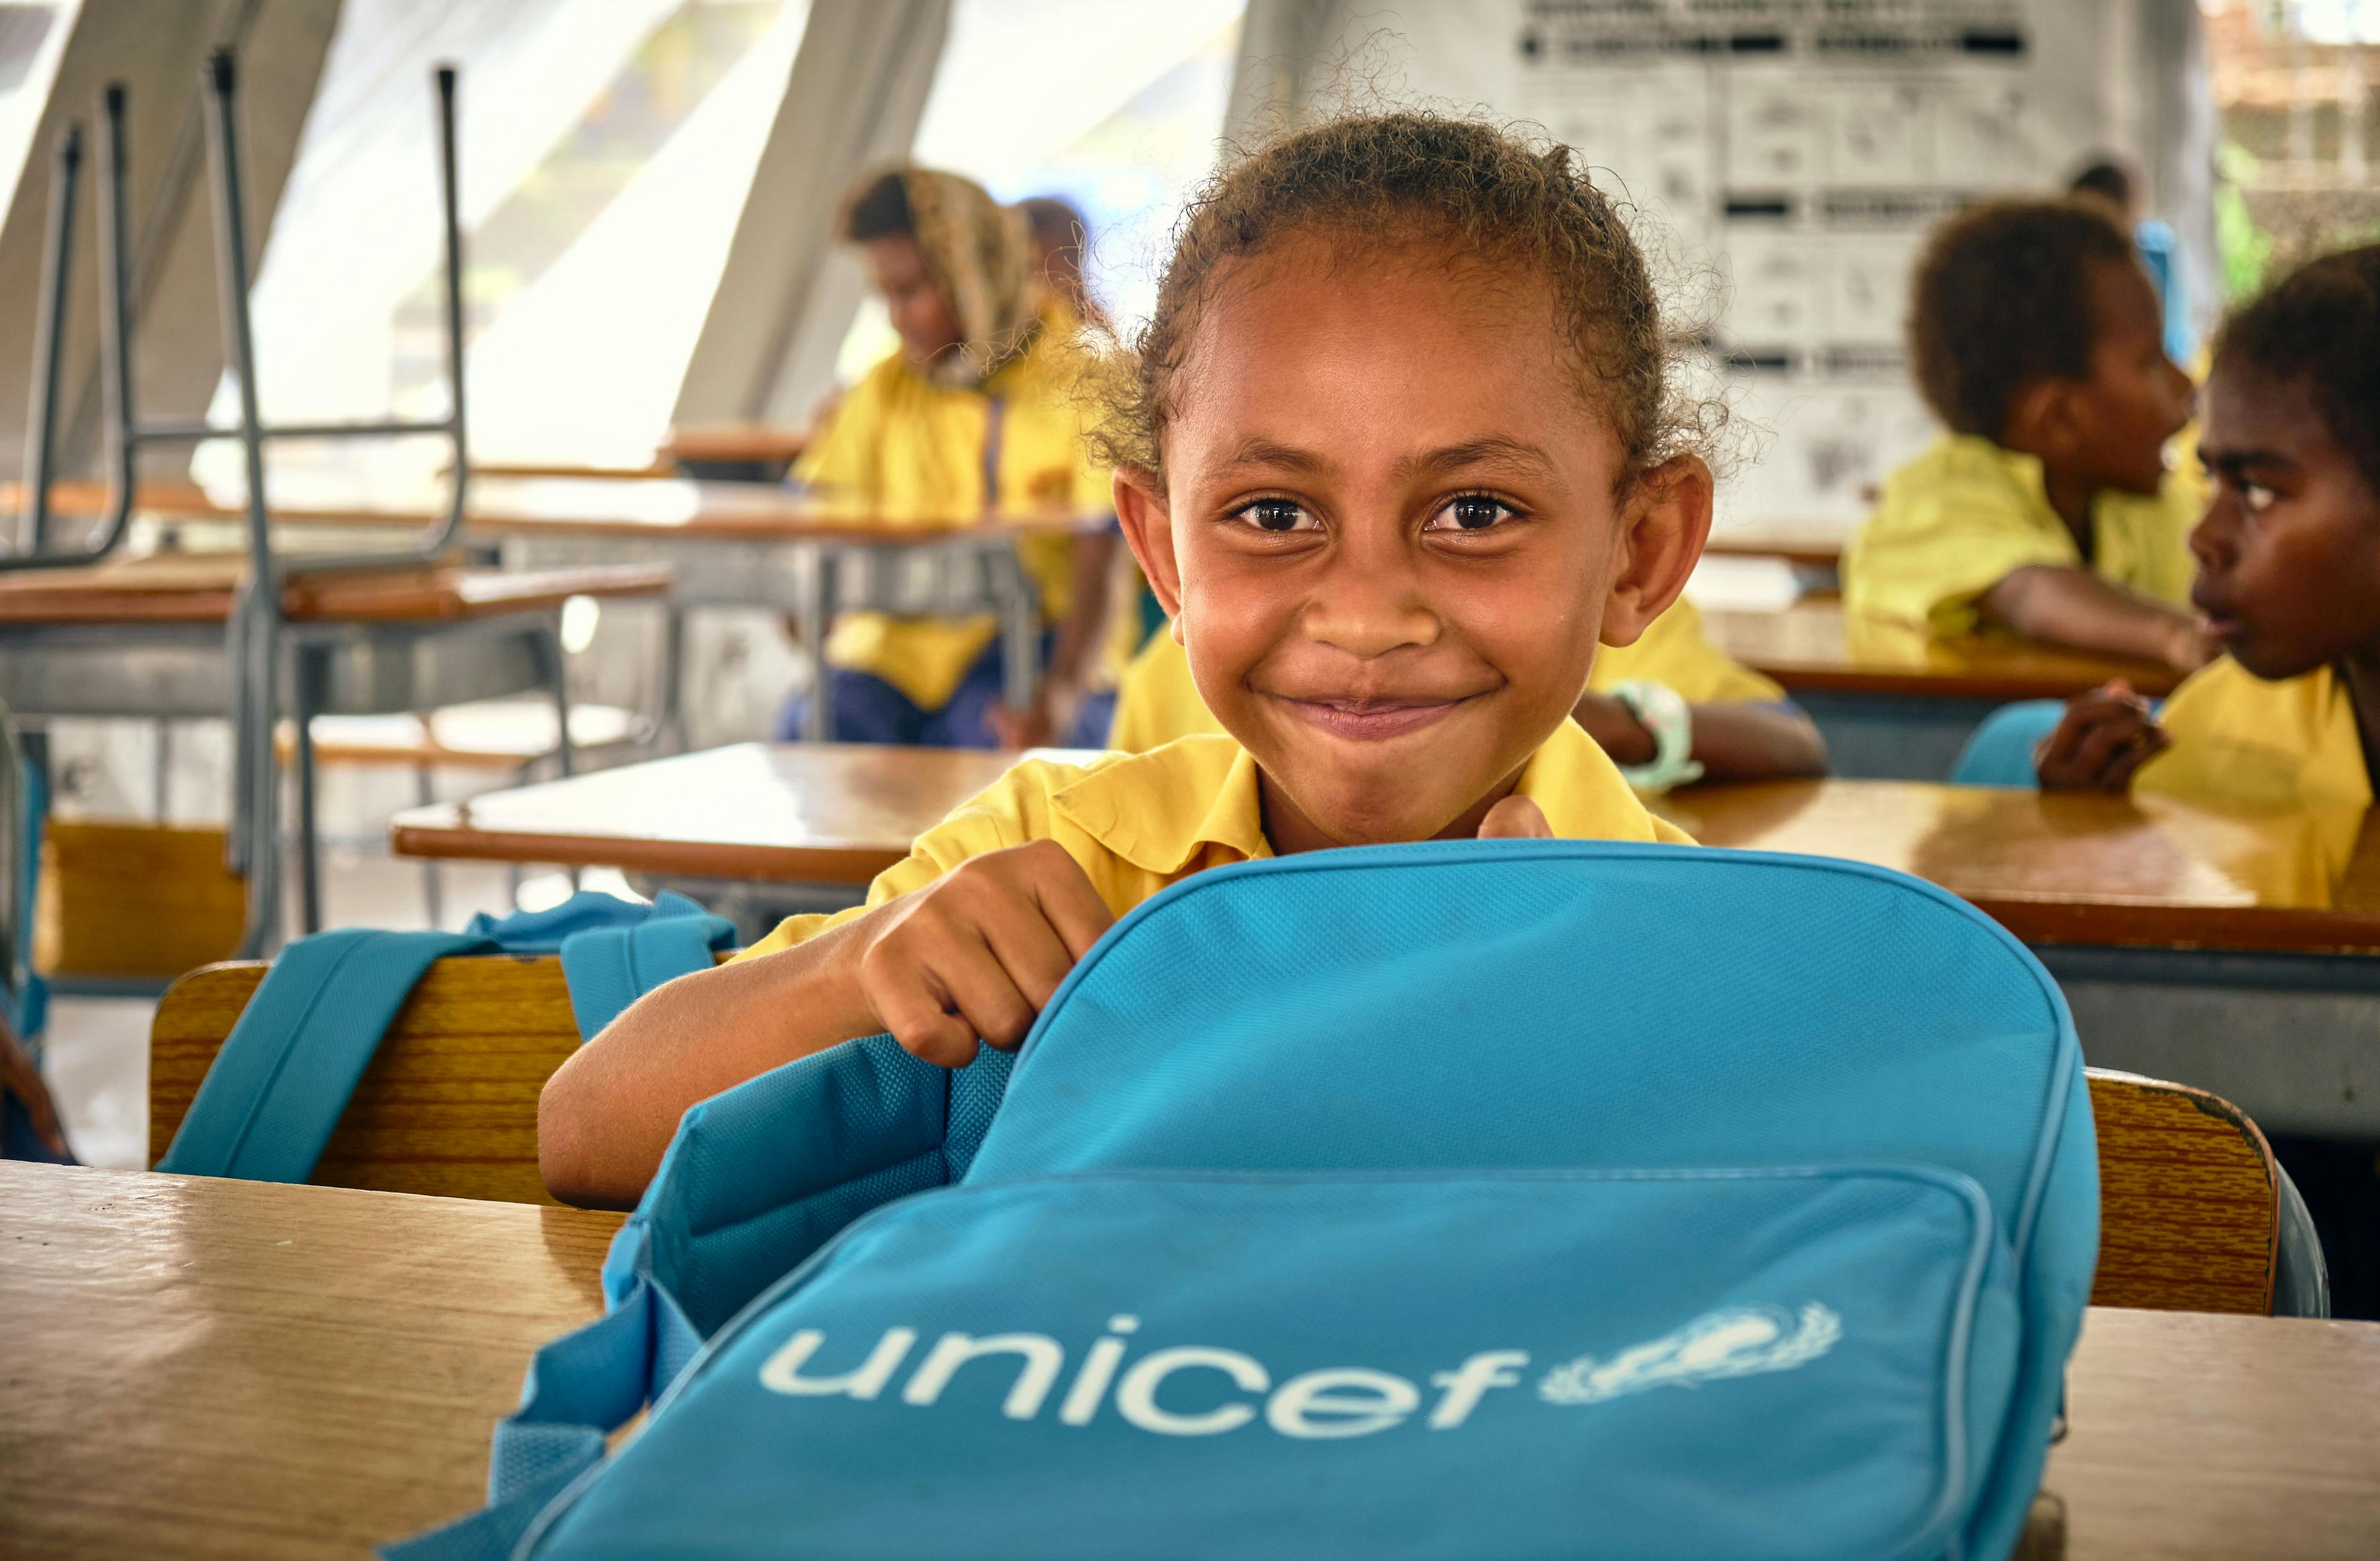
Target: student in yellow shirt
(1398, 450)
(1670, 709)
(980, 406)
(2289, 581)
(2035, 337)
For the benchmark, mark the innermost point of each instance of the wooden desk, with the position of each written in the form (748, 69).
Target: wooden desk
(2068, 868)
(1895, 703)
(2054, 869)
(218, 1368)
(200, 587)
(569, 469)
(1804, 547)
(754, 452)
(739, 545)
(790, 812)
(213, 1367)
(651, 510)
(2232, 951)
(2229, 949)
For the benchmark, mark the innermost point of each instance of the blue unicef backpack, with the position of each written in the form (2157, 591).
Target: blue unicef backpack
(1480, 1199)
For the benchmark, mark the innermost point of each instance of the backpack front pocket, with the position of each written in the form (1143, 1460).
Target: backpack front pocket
(1740, 1364)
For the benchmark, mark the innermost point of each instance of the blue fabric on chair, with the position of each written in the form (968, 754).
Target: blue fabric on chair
(268, 1104)
(28, 1007)
(2000, 751)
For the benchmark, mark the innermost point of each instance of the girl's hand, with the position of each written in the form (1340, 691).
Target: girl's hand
(2106, 737)
(978, 952)
(2188, 647)
(1516, 818)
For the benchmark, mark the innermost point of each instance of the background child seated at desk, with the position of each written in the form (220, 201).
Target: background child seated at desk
(2037, 338)
(1403, 372)
(1703, 716)
(2288, 580)
(978, 408)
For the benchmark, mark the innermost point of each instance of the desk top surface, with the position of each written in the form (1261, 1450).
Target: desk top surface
(1810, 545)
(220, 1368)
(1815, 646)
(644, 508)
(177, 588)
(2055, 868)
(815, 812)
(763, 441)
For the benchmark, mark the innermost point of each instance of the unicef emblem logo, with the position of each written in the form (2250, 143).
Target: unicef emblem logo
(1739, 1341)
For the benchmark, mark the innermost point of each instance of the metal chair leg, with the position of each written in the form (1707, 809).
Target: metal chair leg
(557, 669)
(669, 730)
(433, 898)
(815, 615)
(304, 700)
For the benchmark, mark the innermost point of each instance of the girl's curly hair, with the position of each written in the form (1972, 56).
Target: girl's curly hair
(1513, 198)
(2319, 329)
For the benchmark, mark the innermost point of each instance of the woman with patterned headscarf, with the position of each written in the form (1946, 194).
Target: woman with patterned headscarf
(977, 409)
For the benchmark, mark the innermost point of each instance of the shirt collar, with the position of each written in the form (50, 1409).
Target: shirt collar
(1159, 811)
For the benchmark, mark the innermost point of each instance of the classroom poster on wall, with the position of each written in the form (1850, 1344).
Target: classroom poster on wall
(1791, 154)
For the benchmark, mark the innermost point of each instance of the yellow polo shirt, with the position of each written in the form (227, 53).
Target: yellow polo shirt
(2239, 739)
(917, 451)
(1952, 523)
(1138, 823)
(1158, 702)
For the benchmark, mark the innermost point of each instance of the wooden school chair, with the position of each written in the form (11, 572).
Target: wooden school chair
(2188, 1192)
(448, 1106)
(2189, 1200)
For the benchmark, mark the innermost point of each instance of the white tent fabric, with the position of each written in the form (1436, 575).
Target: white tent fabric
(785, 296)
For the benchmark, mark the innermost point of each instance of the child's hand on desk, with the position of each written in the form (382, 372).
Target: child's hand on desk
(978, 951)
(2105, 735)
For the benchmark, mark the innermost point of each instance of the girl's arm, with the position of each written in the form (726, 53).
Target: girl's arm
(2069, 606)
(1734, 740)
(1738, 742)
(609, 1112)
(974, 953)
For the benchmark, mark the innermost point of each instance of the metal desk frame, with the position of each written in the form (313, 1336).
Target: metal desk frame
(257, 648)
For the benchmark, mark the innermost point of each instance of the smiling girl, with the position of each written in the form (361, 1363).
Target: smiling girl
(1397, 451)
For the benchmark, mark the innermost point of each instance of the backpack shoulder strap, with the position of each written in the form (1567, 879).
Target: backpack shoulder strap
(262, 1113)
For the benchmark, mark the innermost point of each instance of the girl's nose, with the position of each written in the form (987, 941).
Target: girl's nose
(1371, 603)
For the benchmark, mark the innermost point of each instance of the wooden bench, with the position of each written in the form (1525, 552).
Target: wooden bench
(2188, 1194)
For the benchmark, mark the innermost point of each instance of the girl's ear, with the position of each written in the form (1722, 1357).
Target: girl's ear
(1149, 532)
(1663, 527)
(2041, 419)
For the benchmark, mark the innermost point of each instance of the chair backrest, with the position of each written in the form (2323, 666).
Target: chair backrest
(448, 1106)
(2189, 1200)
(2188, 1192)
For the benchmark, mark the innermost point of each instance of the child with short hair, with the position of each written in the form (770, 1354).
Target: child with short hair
(2038, 340)
(2289, 560)
(979, 406)
(1670, 709)
(1398, 450)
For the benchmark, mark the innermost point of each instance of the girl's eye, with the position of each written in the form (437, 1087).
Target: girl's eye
(1470, 512)
(1278, 514)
